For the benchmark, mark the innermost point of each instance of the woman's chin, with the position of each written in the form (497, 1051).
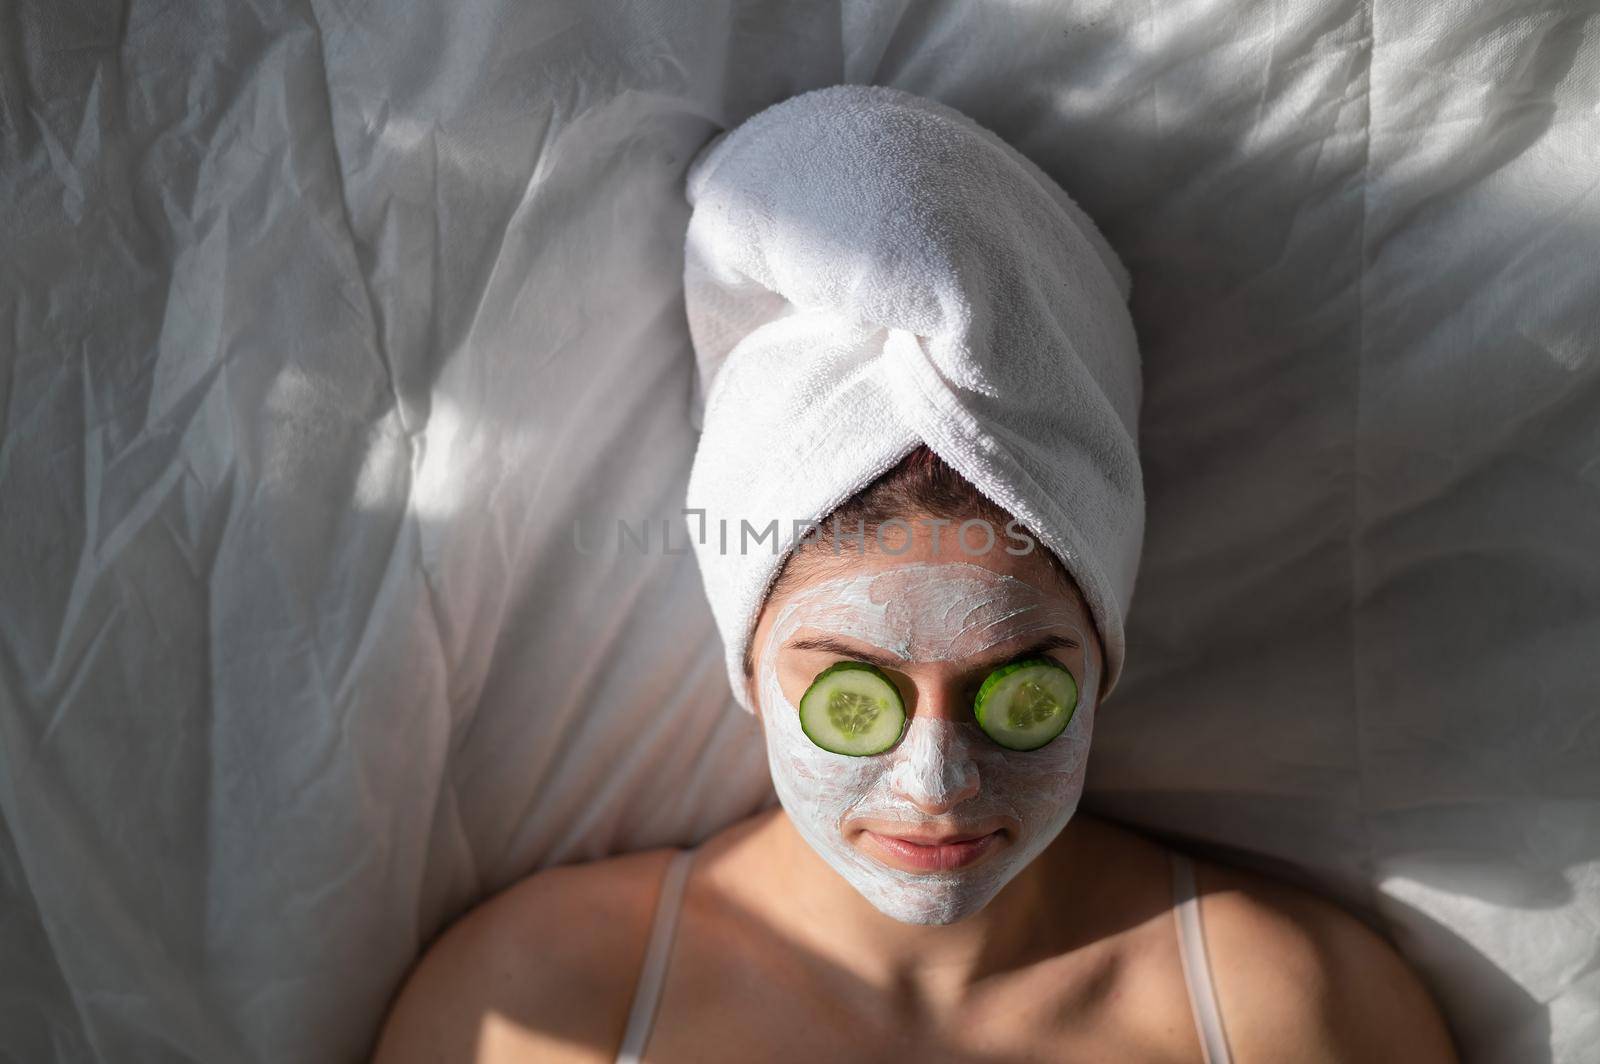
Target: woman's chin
(928, 903)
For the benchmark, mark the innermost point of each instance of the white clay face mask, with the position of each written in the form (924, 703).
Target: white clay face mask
(952, 612)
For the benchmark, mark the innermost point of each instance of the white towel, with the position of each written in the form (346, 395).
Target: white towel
(867, 270)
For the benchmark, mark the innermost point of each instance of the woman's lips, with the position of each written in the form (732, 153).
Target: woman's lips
(912, 856)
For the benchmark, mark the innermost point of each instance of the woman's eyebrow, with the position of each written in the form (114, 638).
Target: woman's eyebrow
(890, 661)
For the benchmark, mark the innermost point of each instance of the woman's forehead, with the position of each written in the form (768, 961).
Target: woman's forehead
(929, 611)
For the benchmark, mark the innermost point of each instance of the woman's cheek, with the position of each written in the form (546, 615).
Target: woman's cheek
(820, 785)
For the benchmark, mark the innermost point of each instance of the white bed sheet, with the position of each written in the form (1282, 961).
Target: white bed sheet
(322, 325)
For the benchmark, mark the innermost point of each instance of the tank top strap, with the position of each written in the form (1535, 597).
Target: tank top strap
(652, 973)
(1196, 962)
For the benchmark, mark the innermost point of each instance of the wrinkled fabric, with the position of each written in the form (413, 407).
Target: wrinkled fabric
(340, 348)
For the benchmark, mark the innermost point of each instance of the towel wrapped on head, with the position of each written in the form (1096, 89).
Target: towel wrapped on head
(867, 270)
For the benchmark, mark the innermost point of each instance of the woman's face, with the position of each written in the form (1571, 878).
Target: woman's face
(937, 620)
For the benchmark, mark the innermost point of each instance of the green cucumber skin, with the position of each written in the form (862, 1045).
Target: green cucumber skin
(999, 733)
(863, 667)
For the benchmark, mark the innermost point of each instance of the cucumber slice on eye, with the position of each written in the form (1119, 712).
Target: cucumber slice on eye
(852, 708)
(1025, 704)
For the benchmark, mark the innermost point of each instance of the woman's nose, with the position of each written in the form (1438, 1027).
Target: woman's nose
(935, 771)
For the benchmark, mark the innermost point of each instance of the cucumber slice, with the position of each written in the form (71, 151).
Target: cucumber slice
(852, 708)
(1025, 704)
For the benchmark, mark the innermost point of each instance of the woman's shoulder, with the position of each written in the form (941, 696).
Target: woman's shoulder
(543, 970)
(1293, 971)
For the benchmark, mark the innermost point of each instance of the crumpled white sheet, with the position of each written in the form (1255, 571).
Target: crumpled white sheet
(322, 326)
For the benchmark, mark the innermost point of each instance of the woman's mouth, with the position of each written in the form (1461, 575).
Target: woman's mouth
(913, 853)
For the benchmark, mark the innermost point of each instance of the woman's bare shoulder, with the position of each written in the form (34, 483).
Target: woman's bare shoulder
(542, 971)
(1299, 978)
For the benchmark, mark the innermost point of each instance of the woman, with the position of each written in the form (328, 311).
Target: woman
(776, 947)
(903, 324)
